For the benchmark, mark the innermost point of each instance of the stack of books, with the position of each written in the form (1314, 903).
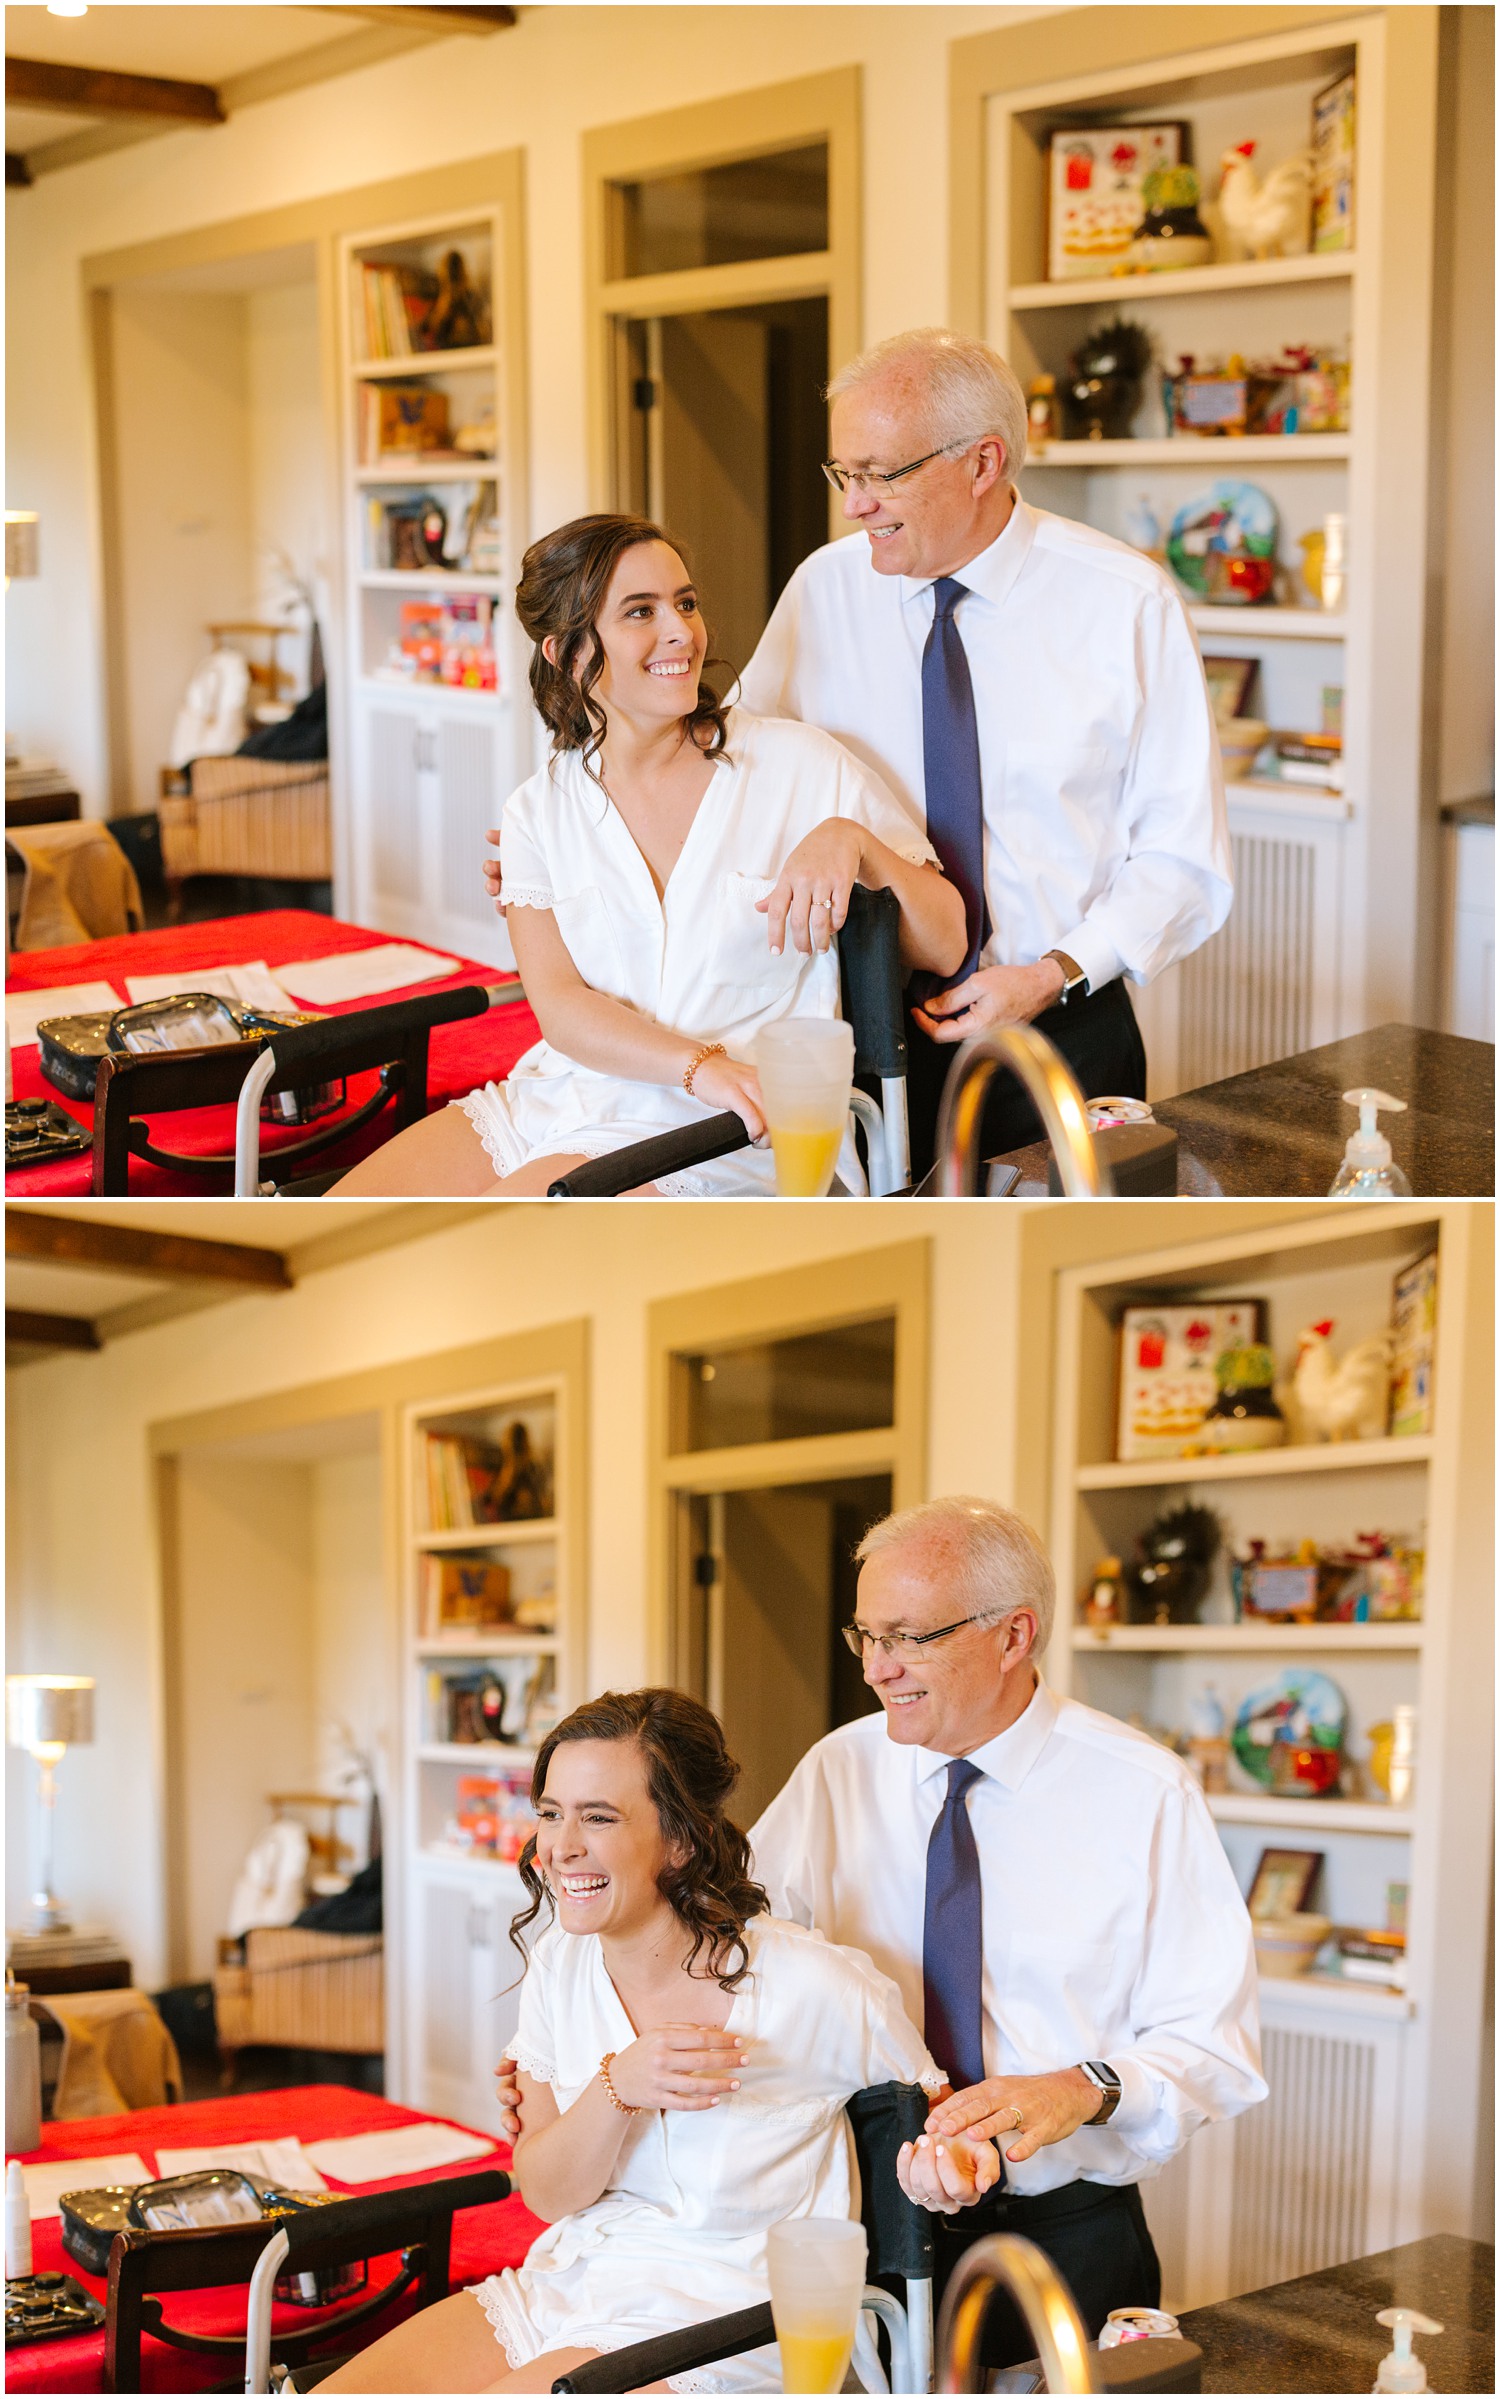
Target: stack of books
(396, 305)
(1372, 1957)
(1312, 758)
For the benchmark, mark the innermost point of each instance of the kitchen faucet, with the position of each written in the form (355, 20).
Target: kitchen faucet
(1004, 2261)
(1051, 1089)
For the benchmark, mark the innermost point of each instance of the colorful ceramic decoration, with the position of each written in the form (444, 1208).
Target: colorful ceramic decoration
(1222, 546)
(1289, 1735)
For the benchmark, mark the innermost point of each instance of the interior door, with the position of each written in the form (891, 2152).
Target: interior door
(710, 455)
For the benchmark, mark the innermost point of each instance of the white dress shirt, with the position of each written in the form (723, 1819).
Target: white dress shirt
(1113, 1926)
(1105, 828)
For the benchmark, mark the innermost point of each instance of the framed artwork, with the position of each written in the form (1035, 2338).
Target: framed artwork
(1094, 181)
(1283, 1882)
(1229, 681)
(1167, 1383)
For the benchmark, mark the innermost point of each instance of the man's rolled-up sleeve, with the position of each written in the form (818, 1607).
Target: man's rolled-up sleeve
(1195, 2056)
(1175, 886)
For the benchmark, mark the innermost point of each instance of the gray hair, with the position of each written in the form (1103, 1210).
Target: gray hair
(992, 1559)
(968, 390)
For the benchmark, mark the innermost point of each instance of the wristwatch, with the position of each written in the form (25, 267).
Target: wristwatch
(1107, 2083)
(1075, 981)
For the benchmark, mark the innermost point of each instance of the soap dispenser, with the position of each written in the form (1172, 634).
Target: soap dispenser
(1368, 1171)
(1401, 2369)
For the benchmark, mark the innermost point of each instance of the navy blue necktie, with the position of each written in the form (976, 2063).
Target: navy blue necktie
(950, 768)
(952, 1943)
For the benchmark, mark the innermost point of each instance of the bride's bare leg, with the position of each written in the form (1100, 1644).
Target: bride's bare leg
(536, 1178)
(543, 2371)
(441, 1158)
(449, 2347)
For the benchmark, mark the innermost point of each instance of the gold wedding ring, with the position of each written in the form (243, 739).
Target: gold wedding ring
(1020, 2121)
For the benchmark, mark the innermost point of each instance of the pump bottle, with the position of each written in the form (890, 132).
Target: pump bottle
(1369, 1171)
(1401, 2369)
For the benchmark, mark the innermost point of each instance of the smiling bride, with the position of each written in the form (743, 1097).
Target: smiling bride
(684, 2060)
(673, 879)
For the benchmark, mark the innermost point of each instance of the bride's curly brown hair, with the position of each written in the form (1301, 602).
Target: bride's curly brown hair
(690, 1775)
(564, 579)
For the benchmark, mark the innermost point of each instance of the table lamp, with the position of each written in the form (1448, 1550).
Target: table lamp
(45, 1713)
(22, 547)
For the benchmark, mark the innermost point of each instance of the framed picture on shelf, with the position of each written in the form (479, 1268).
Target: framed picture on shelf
(1283, 1883)
(1167, 1380)
(1094, 184)
(1229, 681)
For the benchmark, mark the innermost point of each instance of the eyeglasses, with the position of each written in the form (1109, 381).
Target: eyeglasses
(867, 479)
(906, 1645)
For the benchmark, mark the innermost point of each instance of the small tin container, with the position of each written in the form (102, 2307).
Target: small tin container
(1113, 1111)
(1138, 2324)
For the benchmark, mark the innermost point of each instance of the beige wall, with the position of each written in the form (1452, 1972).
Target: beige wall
(558, 71)
(290, 503)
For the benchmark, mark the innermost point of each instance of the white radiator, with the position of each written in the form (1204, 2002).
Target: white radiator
(1267, 984)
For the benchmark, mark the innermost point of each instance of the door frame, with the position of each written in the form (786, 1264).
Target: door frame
(780, 116)
(803, 1299)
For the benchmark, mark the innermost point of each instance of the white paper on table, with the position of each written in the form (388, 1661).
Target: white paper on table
(285, 2163)
(362, 974)
(407, 2149)
(251, 986)
(24, 1010)
(46, 2184)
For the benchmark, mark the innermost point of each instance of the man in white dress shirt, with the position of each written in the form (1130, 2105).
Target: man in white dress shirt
(1035, 688)
(1046, 1889)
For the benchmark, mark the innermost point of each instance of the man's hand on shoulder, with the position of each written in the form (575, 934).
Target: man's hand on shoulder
(490, 869)
(993, 995)
(1037, 2109)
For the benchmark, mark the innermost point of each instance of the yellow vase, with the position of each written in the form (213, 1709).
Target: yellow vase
(1312, 546)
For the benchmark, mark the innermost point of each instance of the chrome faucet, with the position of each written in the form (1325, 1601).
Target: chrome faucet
(1003, 2261)
(1049, 1086)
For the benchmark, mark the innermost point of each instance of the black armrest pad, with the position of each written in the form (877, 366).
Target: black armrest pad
(645, 2362)
(330, 1036)
(643, 1161)
(388, 2219)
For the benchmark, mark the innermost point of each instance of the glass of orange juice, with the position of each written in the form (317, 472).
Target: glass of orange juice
(817, 2270)
(806, 1069)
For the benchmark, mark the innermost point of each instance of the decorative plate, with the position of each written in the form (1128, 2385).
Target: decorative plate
(1224, 528)
(1301, 1706)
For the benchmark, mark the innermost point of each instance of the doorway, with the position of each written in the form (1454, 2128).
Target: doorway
(726, 438)
(773, 1582)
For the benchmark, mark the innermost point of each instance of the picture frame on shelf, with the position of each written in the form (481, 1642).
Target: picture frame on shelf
(1229, 682)
(1283, 1883)
(1166, 1370)
(1095, 188)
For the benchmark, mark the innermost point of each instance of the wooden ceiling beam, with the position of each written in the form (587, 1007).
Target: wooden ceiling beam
(432, 20)
(99, 92)
(170, 1257)
(28, 1325)
(16, 169)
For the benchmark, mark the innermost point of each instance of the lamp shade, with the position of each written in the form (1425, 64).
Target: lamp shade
(22, 546)
(42, 1708)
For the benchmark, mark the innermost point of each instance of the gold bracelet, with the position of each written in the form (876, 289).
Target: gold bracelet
(710, 1049)
(610, 2093)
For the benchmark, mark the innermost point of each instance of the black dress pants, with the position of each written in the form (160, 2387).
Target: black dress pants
(1095, 2235)
(1099, 1038)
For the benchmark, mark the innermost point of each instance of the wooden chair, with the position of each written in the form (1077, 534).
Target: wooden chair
(392, 1040)
(417, 2221)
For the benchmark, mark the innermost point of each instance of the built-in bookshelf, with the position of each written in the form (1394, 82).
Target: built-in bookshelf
(1321, 943)
(434, 483)
(492, 1655)
(1325, 2035)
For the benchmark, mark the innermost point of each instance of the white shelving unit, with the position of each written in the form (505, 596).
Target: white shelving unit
(1322, 941)
(1371, 2090)
(431, 763)
(464, 1975)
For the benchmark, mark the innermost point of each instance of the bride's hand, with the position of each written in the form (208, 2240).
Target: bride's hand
(727, 1084)
(812, 893)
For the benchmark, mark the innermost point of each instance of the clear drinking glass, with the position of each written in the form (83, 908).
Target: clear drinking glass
(806, 1069)
(817, 2271)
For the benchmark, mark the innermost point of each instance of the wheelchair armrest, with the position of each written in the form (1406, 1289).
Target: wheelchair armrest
(645, 2362)
(643, 1161)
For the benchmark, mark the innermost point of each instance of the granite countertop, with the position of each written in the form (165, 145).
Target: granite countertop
(1319, 2333)
(1279, 1131)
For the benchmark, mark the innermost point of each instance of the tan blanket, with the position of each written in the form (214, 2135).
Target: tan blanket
(117, 2054)
(80, 886)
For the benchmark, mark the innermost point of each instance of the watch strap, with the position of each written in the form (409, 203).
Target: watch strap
(1075, 981)
(1107, 2083)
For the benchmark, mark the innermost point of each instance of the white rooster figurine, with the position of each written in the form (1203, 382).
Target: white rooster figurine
(1265, 220)
(1349, 1401)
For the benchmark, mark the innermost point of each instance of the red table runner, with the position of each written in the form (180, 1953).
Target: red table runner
(480, 1049)
(484, 2238)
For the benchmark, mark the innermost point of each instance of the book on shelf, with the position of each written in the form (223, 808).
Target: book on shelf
(396, 419)
(464, 1592)
(472, 1481)
(397, 303)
